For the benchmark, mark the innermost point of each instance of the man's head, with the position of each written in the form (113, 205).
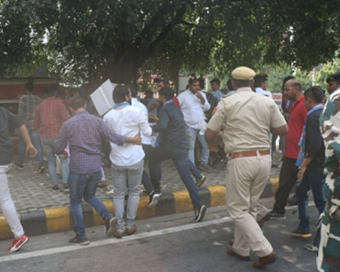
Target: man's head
(29, 87)
(215, 84)
(50, 91)
(230, 85)
(333, 82)
(121, 94)
(149, 94)
(78, 92)
(242, 77)
(293, 89)
(77, 104)
(260, 81)
(194, 85)
(166, 94)
(161, 82)
(313, 96)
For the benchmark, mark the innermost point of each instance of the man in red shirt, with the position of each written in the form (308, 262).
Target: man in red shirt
(49, 117)
(289, 170)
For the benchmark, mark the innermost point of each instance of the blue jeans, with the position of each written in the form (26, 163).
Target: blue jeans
(35, 138)
(85, 185)
(192, 135)
(48, 147)
(182, 163)
(314, 182)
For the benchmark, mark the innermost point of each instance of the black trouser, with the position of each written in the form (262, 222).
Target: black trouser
(288, 178)
(145, 178)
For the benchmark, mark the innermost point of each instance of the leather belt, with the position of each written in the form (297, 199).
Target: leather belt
(253, 153)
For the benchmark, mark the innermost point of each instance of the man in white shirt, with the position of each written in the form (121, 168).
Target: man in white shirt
(193, 104)
(126, 161)
(260, 84)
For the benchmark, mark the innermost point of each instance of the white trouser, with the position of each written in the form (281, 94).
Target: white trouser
(7, 205)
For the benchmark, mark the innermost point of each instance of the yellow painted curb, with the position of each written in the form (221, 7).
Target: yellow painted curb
(275, 184)
(143, 208)
(217, 195)
(182, 201)
(5, 230)
(57, 219)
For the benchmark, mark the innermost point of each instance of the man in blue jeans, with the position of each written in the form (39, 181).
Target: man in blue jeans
(310, 161)
(173, 145)
(83, 132)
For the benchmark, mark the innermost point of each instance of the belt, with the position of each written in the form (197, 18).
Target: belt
(253, 153)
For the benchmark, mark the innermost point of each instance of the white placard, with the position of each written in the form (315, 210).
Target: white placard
(102, 97)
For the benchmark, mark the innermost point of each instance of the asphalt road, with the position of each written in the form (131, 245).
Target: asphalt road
(171, 243)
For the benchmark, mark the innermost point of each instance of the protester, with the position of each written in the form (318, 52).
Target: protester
(174, 146)
(27, 106)
(193, 104)
(260, 85)
(126, 161)
(289, 170)
(310, 162)
(48, 119)
(254, 117)
(9, 122)
(333, 82)
(215, 85)
(83, 133)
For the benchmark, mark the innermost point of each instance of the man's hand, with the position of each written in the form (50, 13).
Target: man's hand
(31, 151)
(198, 95)
(301, 173)
(154, 117)
(137, 140)
(213, 147)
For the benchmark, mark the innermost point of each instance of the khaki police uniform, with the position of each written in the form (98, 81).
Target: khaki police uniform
(246, 119)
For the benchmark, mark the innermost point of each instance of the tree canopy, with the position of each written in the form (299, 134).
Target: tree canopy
(92, 40)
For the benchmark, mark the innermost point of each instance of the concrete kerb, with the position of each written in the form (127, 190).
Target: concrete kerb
(59, 219)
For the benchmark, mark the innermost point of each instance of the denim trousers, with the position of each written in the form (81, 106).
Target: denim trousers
(182, 164)
(85, 185)
(48, 147)
(35, 138)
(192, 135)
(7, 205)
(315, 183)
(126, 179)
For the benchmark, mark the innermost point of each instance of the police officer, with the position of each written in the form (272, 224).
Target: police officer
(246, 119)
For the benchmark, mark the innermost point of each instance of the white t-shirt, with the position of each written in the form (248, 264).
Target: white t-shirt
(135, 103)
(128, 121)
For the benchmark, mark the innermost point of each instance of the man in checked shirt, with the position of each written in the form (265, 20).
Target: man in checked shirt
(83, 132)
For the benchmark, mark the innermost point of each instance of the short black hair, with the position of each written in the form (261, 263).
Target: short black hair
(215, 80)
(285, 80)
(316, 93)
(167, 92)
(50, 90)
(132, 89)
(242, 83)
(259, 79)
(77, 103)
(148, 91)
(119, 93)
(29, 86)
(192, 80)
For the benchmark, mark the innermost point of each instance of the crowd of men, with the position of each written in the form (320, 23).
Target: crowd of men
(245, 121)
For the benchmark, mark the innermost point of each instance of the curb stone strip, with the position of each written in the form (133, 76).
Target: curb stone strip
(60, 219)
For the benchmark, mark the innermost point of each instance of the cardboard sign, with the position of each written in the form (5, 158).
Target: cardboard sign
(102, 97)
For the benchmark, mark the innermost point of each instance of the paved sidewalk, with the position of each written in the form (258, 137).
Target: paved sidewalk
(32, 191)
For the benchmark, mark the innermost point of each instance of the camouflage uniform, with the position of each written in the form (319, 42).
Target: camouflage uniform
(329, 247)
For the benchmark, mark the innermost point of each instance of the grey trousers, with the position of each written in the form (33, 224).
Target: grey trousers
(126, 179)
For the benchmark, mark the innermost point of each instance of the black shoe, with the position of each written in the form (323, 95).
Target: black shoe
(153, 199)
(199, 213)
(206, 168)
(80, 241)
(19, 166)
(55, 187)
(110, 226)
(276, 215)
(200, 180)
(41, 168)
(301, 233)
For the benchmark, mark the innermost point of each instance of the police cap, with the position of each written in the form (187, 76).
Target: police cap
(243, 73)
